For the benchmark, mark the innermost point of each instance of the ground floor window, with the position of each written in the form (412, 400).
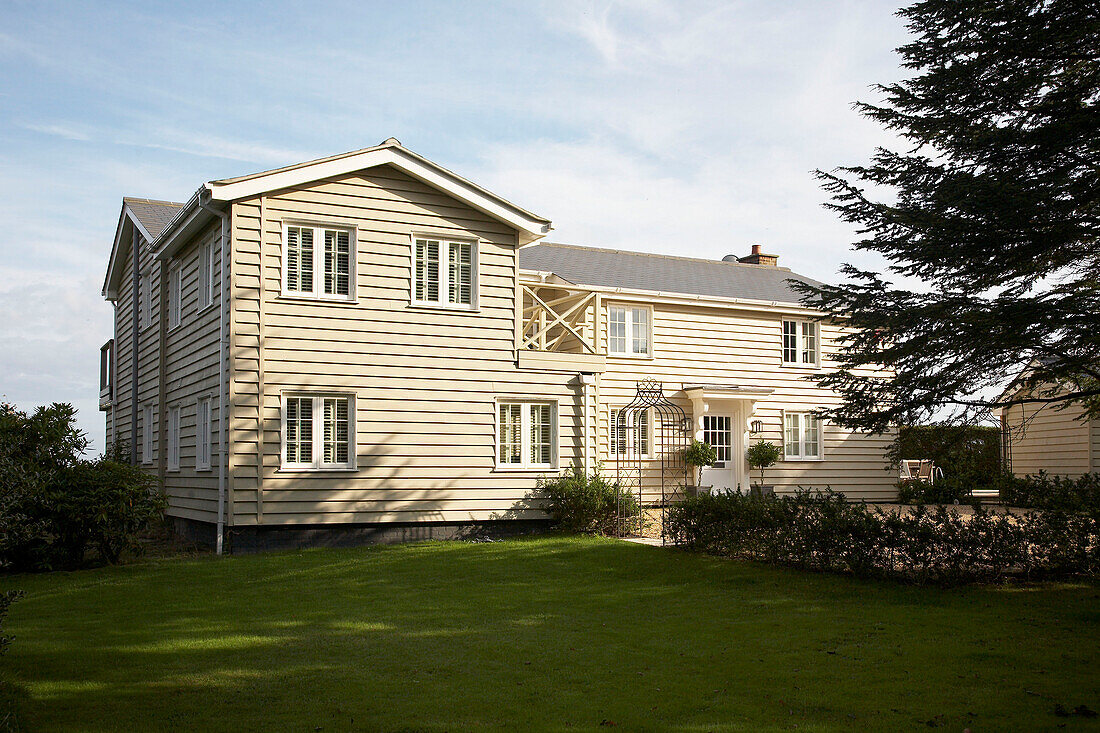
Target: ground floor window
(318, 431)
(527, 434)
(174, 438)
(718, 433)
(632, 434)
(801, 436)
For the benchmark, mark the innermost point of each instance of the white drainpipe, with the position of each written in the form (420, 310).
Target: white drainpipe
(226, 286)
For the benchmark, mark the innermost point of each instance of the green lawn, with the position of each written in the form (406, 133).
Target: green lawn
(554, 633)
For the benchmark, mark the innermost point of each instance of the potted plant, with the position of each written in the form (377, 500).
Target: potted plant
(699, 455)
(762, 455)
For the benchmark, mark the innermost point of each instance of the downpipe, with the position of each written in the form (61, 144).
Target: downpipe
(225, 286)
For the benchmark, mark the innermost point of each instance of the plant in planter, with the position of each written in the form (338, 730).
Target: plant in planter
(762, 455)
(699, 455)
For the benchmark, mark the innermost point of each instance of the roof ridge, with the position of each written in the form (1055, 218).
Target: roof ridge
(139, 200)
(660, 256)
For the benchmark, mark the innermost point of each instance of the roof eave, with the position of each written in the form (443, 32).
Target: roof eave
(110, 285)
(530, 226)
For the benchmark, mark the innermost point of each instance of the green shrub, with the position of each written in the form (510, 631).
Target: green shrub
(1053, 492)
(580, 503)
(762, 455)
(823, 531)
(943, 491)
(697, 455)
(54, 505)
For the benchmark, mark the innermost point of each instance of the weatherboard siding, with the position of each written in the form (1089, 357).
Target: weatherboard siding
(1051, 440)
(191, 368)
(725, 345)
(424, 379)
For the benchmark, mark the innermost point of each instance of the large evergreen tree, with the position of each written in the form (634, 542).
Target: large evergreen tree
(994, 206)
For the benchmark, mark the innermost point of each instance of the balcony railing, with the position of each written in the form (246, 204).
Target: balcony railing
(561, 324)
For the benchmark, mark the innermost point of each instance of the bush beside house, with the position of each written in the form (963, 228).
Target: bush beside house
(578, 502)
(56, 506)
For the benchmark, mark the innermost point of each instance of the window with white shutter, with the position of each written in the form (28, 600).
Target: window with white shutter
(147, 434)
(636, 426)
(207, 269)
(319, 431)
(145, 300)
(319, 262)
(174, 438)
(527, 435)
(202, 435)
(801, 343)
(444, 273)
(175, 297)
(802, 436)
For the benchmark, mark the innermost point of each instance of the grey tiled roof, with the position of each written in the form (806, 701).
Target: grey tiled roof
(153, 215)
(662, 273)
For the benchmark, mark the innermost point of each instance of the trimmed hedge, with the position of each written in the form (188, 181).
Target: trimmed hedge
(823, 531)
(1053, 492)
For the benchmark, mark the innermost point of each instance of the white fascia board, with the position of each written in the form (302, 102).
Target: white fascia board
(110, 289)
(532, 226)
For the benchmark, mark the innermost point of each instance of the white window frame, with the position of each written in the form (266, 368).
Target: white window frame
(206, 276)
(318, 464)
(445, 244)
(145, 299)
(629, 324)
(175, 296)
(525, 404)
(804, 418)
(800, 342)
(318, 291)
(203, 442)
(729, 447)
(173, 438)
(631, 445)
(147, 433)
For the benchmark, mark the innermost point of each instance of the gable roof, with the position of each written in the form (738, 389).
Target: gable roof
(151, 216)
(662, 273)
(391, 152)
(166, 224)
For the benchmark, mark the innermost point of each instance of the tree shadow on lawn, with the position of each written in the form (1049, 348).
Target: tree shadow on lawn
(546, 633)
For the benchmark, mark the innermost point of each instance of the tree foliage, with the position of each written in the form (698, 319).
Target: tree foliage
(55, 505)
(995, 207)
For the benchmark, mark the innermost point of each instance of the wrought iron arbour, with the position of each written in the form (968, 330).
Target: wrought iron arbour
(665, 427)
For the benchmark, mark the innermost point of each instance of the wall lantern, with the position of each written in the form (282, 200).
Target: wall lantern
(756, 426)
(685, 425)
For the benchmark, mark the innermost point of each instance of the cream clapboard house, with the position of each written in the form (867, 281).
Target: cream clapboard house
(370, 345)
(1057, 439)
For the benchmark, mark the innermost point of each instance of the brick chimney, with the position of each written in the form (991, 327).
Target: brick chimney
(756, 258)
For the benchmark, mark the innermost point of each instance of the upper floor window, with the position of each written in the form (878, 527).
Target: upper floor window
(801, 436)
(527, 434)
(145, 300)
(319, 431)
(175, 296)
(628, 330)
(444, 272)
(208, 274)
(318, 261)
(801, 342)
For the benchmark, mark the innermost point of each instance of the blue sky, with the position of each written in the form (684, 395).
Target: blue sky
(680, 127)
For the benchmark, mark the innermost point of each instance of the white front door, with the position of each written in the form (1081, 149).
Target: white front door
(718, 432)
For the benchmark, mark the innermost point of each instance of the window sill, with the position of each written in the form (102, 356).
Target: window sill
(171, 470)
(801, 367)
(525, 469)
(328, 300)
(802, 460)
(205, 469)
(443, 308)
(304, 469)
(631, 357)
(207, 307)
